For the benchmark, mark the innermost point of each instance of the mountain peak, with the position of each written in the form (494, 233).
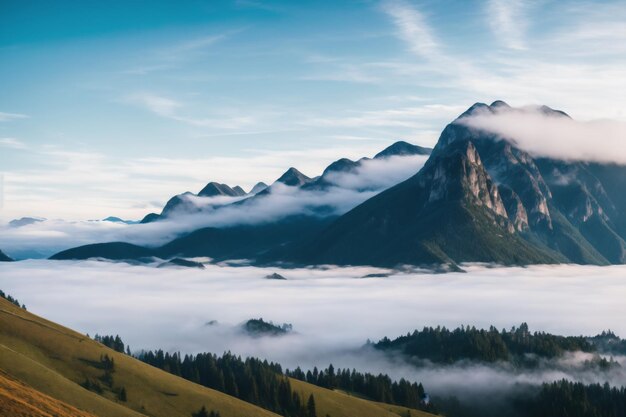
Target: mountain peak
(548, 111)
(402, 148)
(258, 187)
(341, 165)
(293, 178)
(499, 104)
(214, 189)
(150, 218)
(25, 221)
(238, 190)
(475, 109)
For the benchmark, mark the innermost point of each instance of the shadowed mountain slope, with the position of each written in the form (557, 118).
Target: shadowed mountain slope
(4, 258)
(451, 211)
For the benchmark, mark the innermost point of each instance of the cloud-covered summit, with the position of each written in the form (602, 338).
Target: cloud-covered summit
(545, 132)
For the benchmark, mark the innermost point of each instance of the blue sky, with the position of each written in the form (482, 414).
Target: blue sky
(109, 108)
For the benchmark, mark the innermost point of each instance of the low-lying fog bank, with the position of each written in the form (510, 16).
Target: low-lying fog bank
(333, 312)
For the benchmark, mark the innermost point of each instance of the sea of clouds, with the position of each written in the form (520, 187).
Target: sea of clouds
(334, 311)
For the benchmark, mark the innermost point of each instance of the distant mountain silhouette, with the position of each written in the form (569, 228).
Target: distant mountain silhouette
(25, 221)
(258, 187)
(402, 148)
(293, 178)
(4, 258)
(213, 189)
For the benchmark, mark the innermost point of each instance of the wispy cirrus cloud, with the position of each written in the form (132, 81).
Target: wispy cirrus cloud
(413, 28)
(174, 55)
(172, 109)
(12, 143)
(597, 30)
(549, 71)
(7, 117)
(160, 105)
(508, 22)
(415, 117)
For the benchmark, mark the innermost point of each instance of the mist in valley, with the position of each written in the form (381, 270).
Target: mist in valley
(334, 312)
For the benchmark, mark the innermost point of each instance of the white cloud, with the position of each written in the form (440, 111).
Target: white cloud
(576, 63)
(12, 143)
(556, 136)
(7, 117)
(160, 105)
(378, 174)
(413, 28)
(413, 117)
(171, 109)
(508, 21)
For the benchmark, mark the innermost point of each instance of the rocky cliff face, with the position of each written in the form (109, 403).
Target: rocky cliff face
(514, 208)
(450, 211)
(459, 174)
(562, 203)
(508, 166)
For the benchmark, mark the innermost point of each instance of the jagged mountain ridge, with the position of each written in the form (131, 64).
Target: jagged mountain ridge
(402, 148)
(213, 189)
(258, 187)
(292, 177)
(182, 203)
(253, 241)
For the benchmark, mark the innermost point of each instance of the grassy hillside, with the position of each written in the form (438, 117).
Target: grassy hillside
(57, 362)
(337, 403)
(19, 400)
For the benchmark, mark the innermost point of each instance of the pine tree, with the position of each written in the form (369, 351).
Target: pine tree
(202, 413)
(310, 407)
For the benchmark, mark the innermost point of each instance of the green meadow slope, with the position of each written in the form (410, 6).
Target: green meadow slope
(56, 362)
